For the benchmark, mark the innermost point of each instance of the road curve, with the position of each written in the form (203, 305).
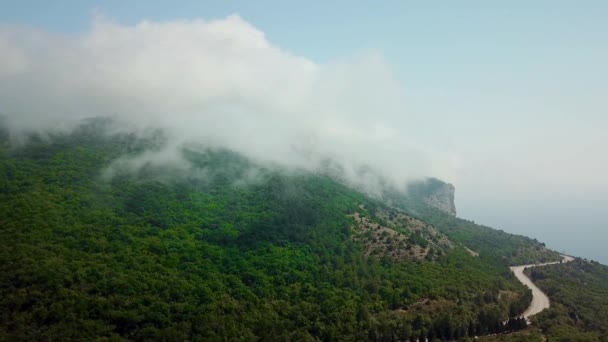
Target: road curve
(540, 301)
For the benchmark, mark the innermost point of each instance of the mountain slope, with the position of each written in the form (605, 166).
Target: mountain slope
(502, 247)
(579, 294)
(223, 248)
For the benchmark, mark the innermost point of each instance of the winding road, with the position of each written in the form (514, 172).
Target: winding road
(540, 301)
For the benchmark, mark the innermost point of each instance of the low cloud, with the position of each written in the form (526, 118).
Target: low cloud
(220, 83)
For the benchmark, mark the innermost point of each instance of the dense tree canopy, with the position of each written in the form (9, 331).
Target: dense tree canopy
(224, 249)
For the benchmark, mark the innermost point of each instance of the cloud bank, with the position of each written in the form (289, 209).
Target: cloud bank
(219, 83)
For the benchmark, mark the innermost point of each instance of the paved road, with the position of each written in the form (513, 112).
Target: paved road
(540, 301)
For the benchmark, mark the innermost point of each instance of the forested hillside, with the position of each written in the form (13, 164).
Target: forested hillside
(579, 293)
(222, 248)
(502, 247)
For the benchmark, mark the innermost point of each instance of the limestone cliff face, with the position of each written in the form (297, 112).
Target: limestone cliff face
(442, 198)
(435, 193)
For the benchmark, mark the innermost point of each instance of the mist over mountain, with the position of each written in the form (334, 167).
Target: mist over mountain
(225, 247)
(230, 248)
(290, 172)
(219, 83)
(435, 193)
(381, 119)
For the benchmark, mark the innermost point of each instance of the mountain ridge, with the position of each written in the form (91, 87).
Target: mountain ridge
(435, 193)
(160, 253)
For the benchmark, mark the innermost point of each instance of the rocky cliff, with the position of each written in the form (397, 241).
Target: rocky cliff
(435, 193)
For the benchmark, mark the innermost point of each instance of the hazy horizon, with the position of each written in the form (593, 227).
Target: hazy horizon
(505, 101)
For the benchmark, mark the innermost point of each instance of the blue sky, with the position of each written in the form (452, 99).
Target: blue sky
(433, 44)
(515, 91)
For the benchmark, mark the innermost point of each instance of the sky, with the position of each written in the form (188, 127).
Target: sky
(506, 100)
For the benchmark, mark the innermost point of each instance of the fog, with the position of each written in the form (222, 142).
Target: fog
(220, 83)
(525, 156)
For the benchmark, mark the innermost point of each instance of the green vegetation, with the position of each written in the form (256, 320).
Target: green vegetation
(221, 249)
(528, 335)
(579, 294)
(501, 247)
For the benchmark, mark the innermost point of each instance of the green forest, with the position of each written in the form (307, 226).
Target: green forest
(579, 291)
(221, 248)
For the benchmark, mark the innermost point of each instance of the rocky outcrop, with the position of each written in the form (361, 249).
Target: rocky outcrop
(435, 193)
(389, 233)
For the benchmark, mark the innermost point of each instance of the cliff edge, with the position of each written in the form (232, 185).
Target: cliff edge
(435, 193)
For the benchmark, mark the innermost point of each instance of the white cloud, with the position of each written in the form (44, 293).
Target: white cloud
(219, 82)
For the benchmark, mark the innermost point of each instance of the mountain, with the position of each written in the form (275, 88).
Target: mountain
(579, 296)
(435, 193)
(218, 247)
